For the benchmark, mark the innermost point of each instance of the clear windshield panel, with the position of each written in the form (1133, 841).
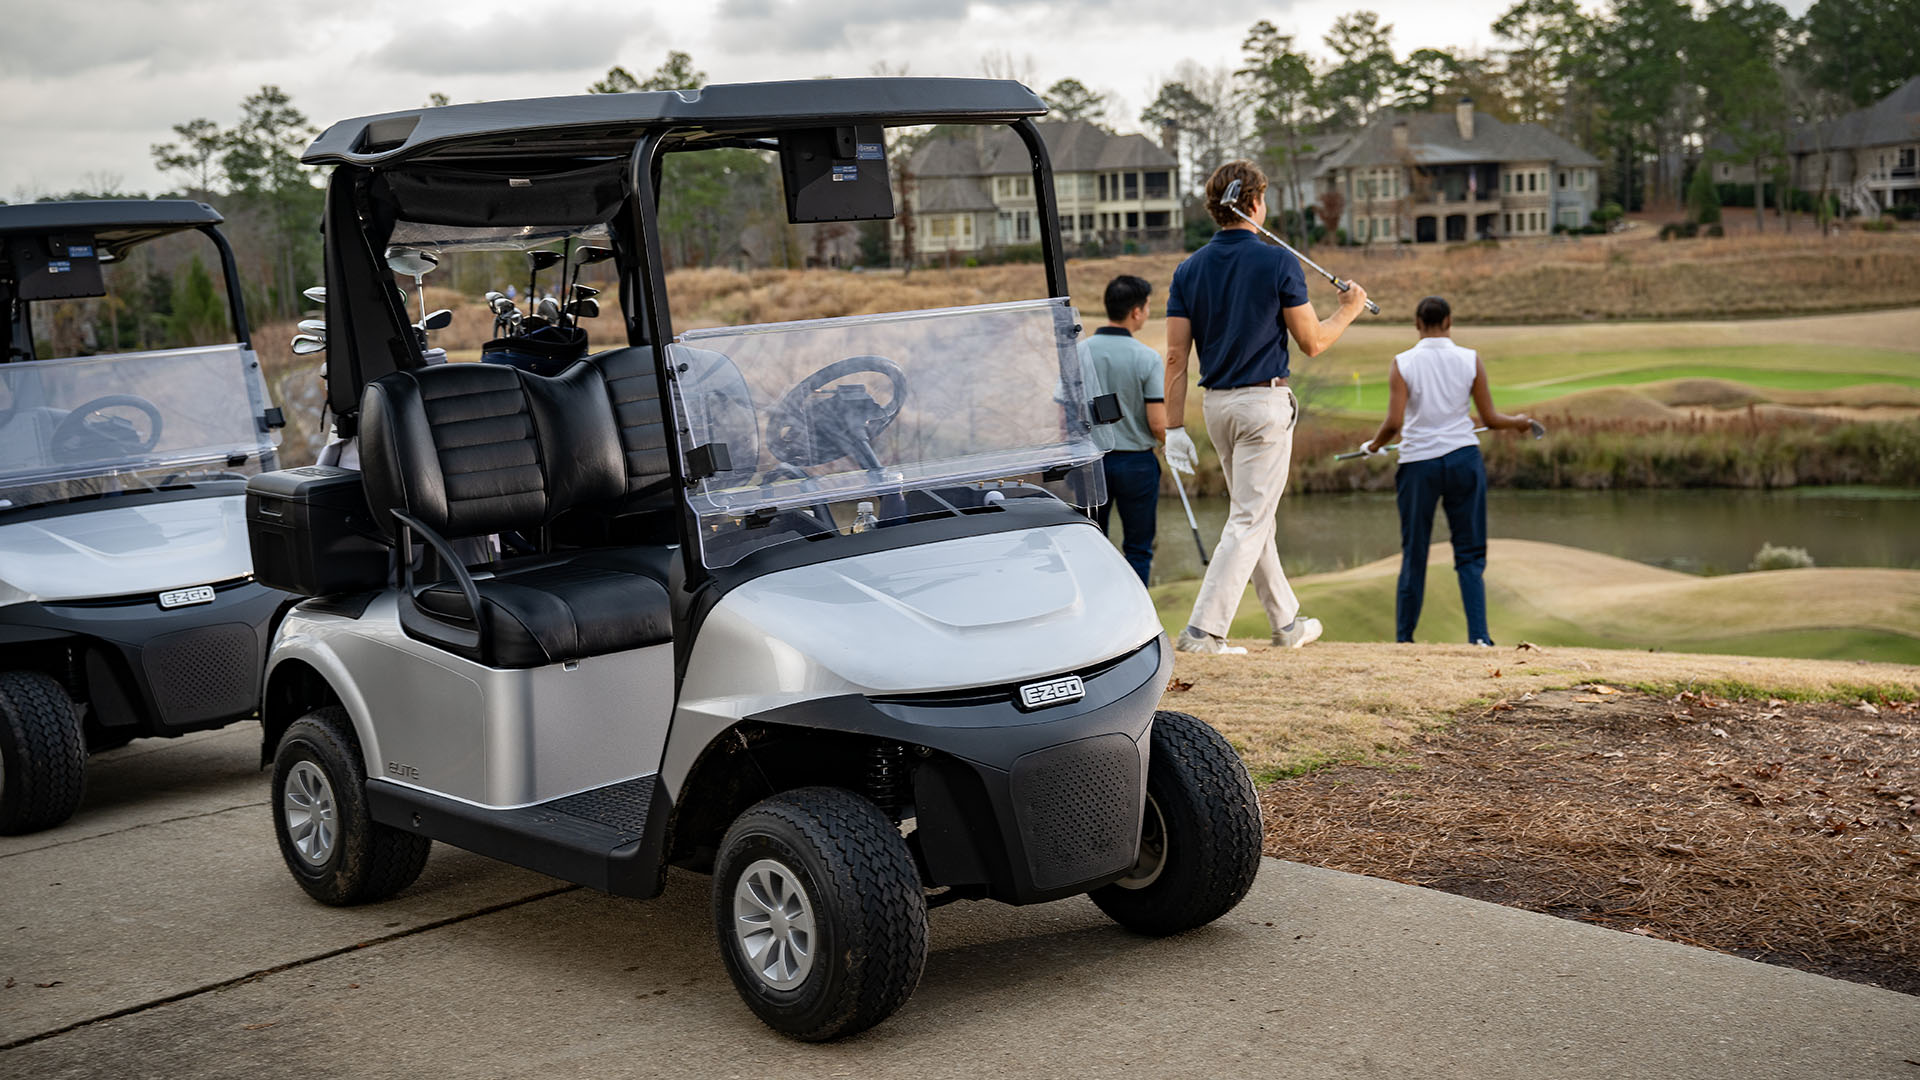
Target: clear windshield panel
(132, 421)
(794, 425)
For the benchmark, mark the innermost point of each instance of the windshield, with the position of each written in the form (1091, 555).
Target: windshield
(131, 422)
(789, 427)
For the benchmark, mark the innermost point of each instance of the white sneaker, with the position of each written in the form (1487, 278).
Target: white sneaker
(1305, 632)
(1190, 641)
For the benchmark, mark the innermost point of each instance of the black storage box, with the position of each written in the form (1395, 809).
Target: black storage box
(312, 534)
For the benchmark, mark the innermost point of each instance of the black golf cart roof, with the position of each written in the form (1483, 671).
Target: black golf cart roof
(116, 224)
(608, 124)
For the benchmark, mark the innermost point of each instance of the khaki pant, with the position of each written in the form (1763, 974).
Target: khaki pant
(1252, 430)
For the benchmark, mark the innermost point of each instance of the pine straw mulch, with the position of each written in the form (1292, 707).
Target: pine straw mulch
(1784, 832)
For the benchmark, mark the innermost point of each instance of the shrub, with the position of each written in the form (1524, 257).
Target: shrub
(1906, 211)
(1703, 198)
(1879, 224)
(1608, 214)
(1716, 229)
(1770, 557)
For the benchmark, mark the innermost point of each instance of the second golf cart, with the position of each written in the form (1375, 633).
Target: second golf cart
(127, 605)
(808, 605)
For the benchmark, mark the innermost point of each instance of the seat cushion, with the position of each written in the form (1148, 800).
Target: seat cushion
(554, 609)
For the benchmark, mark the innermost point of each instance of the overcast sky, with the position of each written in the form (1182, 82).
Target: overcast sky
(90, 85)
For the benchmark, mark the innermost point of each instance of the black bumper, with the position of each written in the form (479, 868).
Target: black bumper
(148, 670)
(1025, 806)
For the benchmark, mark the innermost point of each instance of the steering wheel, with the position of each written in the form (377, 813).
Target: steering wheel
(813, 423)
(114, 434)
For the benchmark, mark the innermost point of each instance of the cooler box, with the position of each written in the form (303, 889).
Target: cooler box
(311, 532)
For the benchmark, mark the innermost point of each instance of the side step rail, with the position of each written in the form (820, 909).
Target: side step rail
(611, 838)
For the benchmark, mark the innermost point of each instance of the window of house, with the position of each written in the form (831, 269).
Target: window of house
(1533, 181)
(1385, 228)
(1086, 185)
(1158, 186)
(1023, 226)
(1086, 222)
(1022, 185)
(1506, 183)
(1066, 223)
(1580, 179)
(1563, 179)
(1157, 219)
(940, 225)
(1002, 187)
(1132, 182)
(1133, 219)
(1506, 222)
(1726, 171)
(966, 225)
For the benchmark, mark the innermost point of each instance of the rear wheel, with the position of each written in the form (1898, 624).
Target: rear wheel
(1200, 838)
(43, 759)
(329, 840)
(820, 913)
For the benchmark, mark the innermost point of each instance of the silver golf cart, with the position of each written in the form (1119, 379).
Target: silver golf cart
(812, 609)
(127, 605)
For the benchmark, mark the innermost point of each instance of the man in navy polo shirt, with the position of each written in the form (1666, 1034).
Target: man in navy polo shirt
(1237, 299)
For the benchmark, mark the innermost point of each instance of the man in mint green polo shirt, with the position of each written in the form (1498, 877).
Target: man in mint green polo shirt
(1122, 366)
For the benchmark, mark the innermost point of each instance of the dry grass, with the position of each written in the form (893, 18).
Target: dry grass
(1523, 282)
(1776, 830)
(1290, 710)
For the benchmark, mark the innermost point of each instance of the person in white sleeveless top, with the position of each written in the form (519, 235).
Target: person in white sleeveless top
(1431, 387)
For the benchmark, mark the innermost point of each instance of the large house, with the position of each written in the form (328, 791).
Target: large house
(1871, 155)
(973, 193)
(1433, 177)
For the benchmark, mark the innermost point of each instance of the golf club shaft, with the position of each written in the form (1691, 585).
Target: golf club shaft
(1337, 283)
(1191, 523)
(1389, 448)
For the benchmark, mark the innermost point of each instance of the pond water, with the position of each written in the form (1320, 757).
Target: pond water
(1708, 531)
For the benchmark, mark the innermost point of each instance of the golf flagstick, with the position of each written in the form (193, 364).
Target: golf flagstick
(1191, 523)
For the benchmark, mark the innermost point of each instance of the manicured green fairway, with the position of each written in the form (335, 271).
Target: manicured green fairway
(1521, 380)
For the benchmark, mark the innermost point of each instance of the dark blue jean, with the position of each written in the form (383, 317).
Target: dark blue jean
(1457, 482)
(1133, 485)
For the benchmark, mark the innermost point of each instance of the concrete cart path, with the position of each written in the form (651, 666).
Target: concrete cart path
(482, 970)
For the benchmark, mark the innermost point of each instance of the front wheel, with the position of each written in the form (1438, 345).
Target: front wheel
(1200, 839)
(43, 759)
(329, 840)
(820, 913)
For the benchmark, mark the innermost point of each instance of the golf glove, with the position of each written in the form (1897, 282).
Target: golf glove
(1182, 455)
(1367, 448)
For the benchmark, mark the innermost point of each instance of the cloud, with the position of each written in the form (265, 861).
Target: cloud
(554, 38)
(61, 40)
(790, 25)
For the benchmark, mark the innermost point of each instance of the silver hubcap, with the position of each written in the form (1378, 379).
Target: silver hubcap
(307, 806)
(1153, 850)
(773, 924)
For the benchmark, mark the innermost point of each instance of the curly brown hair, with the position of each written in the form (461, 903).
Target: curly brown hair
(1253, 185)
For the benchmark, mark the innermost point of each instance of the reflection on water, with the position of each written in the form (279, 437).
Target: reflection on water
(1714, 531)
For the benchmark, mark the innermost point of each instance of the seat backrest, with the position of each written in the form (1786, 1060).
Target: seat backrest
(633, 391)
(471, 449)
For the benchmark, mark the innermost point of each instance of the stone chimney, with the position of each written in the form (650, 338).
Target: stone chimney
(1400, 137)
(1463, 116)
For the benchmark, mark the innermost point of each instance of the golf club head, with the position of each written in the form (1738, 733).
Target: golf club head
(438, 320)
(590, 255)
(1538, 429)
(411, 262)
(313, 326)
(541, 260)
(499, 304)
(584, 308)
(529, 324)
(306, 344)
(548, 309)
(582, 292)
(1232, 195)
(317, 294)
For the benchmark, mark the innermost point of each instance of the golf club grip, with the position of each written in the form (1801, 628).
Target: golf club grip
(1200, 544)
(1345, 286)
(1348, 456)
